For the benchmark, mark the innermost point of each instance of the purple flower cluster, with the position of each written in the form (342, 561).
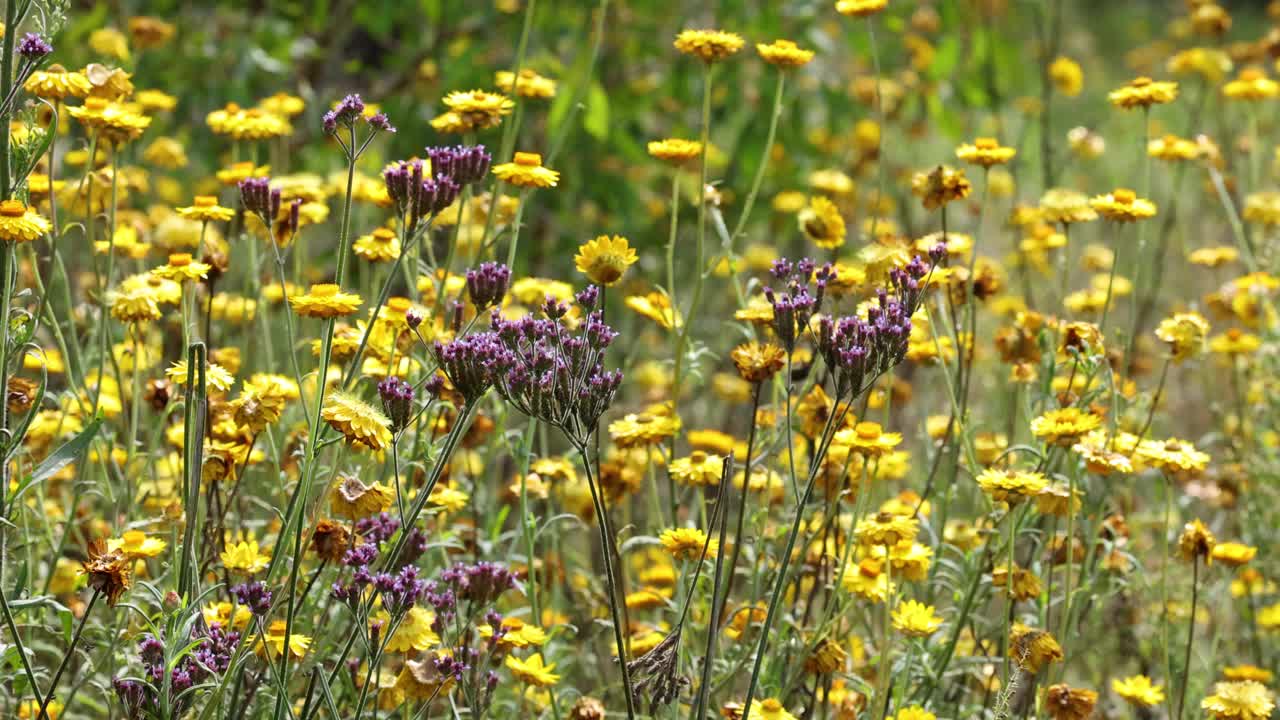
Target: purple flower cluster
(794, 306)
(397, 401)
(257, 196)
(470, 362)
(255, 596)
(487, 284)
(465, 164)
(400, 591)
(350, 109)
(554, 373)
(858, 351)
(415, 195)
(215, 646)
(33, 46)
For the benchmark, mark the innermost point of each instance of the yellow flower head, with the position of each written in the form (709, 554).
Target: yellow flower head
(940, 186)
(861, 8)
(1064, 206)
(206, 209)
(687, 543)
(1184, 333)
(1011, 486)
(822, 223)
(1067, 77)
(526, 170)
(245, 558)
(985, 152)
(675, 150)
(325, 301)
(181, 268)
(605, 259)
(1251, 84)
(533, 670)
(1123, 206)
(473, 110)
(1239, 700)
(915, 619)
(1064, 426)
(1138, 690)
(1143, 92)
(359, 422)
(708, 45)
(530, 85)
(784, 54)
(20, 224)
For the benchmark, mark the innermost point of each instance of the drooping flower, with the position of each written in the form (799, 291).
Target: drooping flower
(605, 259)
(359, 422)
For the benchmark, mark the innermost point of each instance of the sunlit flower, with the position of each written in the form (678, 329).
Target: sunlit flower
(1138, 690)
(1239, 700)
(526, 170)
(605, 259)
(1143, 92)
(985, 152)
(325, 301)
(784, 54)
(915, 619)
(708, 45)
(359, 422)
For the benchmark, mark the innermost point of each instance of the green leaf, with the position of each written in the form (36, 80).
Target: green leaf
(62, 457)
(596, 119)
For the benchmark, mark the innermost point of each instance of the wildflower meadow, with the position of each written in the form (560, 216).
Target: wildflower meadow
(587, 359)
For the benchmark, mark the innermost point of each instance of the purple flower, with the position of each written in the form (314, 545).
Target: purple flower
(345, 114)
(487, 284)
(462, 163)
(397, 401)
(33, 47)
(254, 596)
(379, 121)
(258, 197)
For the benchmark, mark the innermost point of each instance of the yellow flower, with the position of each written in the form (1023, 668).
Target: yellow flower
(822, 223)
(359, 422)
(20, 224)
(769, 709)
(1172, 455)
(784, 54)
(1011, 486)
(533, 671)
(1143, 92)
(914, 712)
(56, 83)
(868, 439)
(1262, 208)
(643, 429)
(675, 150)
(1063, 702)
(1172, 147)
(30, 709)
(381, 245)
(758, 362)
(885, 529)
(1196, 541)
(1139, 690)
(657, 307)
(245, 558)
(1064, 206)
(325, 301)
(1123, 206)
(868, 581)
(1032, 648)
(530, 84)
(1251, 84)
(1247, 672)
(473, 110)
(1235, 342)
(136, 544)
(708, 45)
(698, 469)
(1233, 554)
(353, 499)
(861, 8)
(116, 123)
(216, 376)
(940, 186)
(687, 543)
(1239, 700)
(182, 267)
(1184, 333)
(1064, 426)
(915, 619)
(247, 124)
(605, 259)
(206, 209)
(413, 633)
(272, 646)
(526, 170)
(1066, 75)
(134, 306)
(985, 152)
